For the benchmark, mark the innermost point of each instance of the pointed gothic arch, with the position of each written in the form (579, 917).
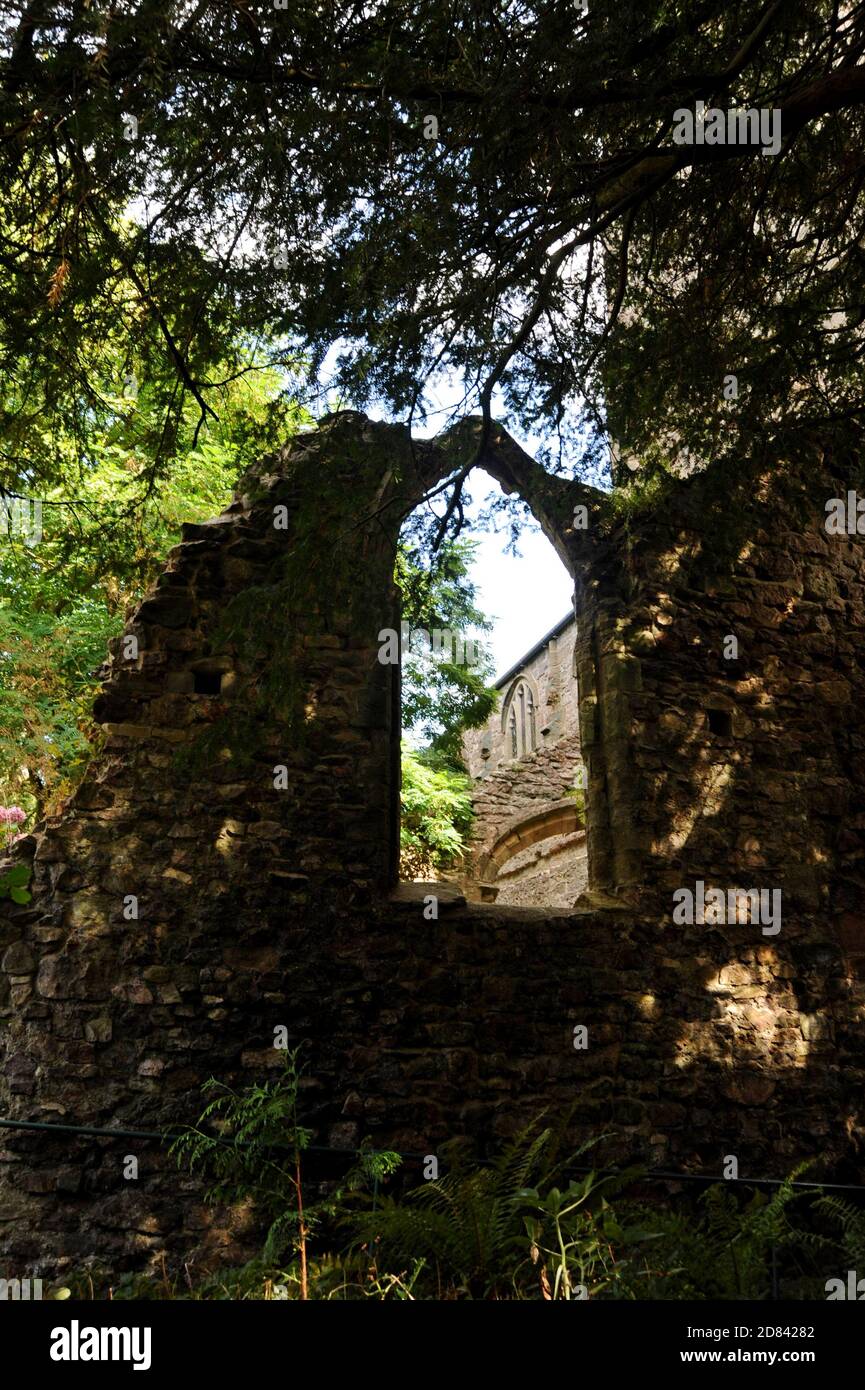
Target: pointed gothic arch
(519, 717)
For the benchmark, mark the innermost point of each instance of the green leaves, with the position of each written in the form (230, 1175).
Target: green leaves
(436, 813)
(109, 517)
(493, 1232)
(13, 883)
(248, 1144)
(373, 1165)
(422, 256)
(441, 694)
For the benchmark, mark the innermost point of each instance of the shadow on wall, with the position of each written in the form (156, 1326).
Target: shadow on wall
(743, 651)
(258, 869)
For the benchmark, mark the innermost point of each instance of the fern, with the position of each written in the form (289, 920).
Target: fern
(470, 1226)
(255, 1150)
(727, 1252)
(256, 1153)
(850, 1222)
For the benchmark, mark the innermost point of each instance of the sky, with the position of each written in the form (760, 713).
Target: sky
(524, 596)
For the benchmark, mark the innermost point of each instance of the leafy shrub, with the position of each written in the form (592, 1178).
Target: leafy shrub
(13, 883)
(722, 1249)
(525, 1224)
(436, 813)
(503, 1229)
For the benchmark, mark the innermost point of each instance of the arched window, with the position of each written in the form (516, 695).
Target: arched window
(521, 715)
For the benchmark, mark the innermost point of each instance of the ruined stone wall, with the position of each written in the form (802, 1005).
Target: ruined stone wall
(508, 791)
(247, 778)
(262, 903)
(516, 805)
(552, 873)
(551, 674)
(420, 1032)
(736, 770)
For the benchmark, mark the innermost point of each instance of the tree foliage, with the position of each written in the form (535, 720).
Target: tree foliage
(404, 189)
(443, 692)
(436, 814)
(108, 523)
(442, 695)
(401, 195)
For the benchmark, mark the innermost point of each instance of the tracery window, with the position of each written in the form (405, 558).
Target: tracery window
(522, 720)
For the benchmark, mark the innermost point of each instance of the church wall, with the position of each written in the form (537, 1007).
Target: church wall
(262, 906)
(505, 786)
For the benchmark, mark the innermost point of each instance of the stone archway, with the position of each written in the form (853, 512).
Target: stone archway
(558, 829)
(222, 872)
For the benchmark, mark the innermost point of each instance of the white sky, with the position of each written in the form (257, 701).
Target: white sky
(524, 596)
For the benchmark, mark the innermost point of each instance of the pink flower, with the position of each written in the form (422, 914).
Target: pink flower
(12, 815)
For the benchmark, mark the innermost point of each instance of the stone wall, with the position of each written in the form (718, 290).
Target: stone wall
(732, 771)
(552, 874)
(551, 672)
(420, 1032)
(505, 862)
(249, 776)
(192, 898)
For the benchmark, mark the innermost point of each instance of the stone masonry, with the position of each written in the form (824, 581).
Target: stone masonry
(528, 845)
(225, 867)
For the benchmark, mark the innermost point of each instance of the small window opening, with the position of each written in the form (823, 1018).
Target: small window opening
(720, 722)
(207, 682)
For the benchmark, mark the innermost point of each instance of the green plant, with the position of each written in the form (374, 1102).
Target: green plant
(482, 1228)
(436, 813)
(441, 694)
(105, 531)
(255, 1155)
(849, 1221)
(521, 1225)
(13, 883)
(725, 1250)
(571, 1232)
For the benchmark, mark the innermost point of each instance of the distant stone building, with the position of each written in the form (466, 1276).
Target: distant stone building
(529, 841)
